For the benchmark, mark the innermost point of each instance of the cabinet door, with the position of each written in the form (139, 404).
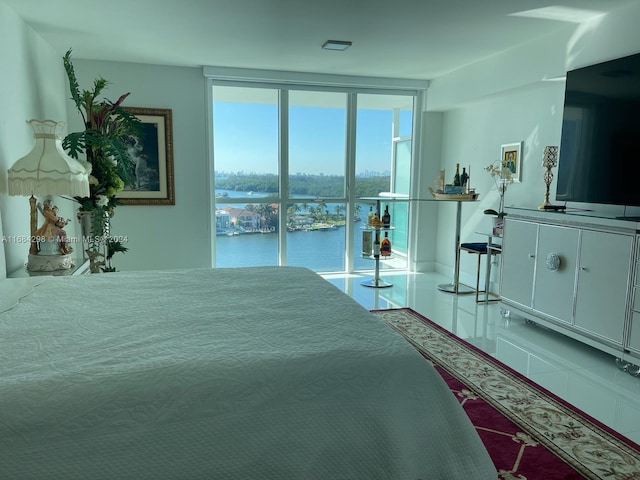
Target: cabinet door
(554, 287)
(634, 333)
(603, 282)
(518, 256)
(633, 343)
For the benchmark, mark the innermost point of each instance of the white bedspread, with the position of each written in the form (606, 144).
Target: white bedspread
(255, 373)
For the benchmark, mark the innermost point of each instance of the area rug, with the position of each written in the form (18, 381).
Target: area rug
(529, 433)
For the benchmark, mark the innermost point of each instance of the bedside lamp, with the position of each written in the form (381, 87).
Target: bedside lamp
(47, 170)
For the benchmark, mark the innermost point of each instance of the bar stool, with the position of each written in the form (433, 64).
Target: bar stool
(480, 249)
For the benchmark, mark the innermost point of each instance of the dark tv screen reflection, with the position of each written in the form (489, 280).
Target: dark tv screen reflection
(599, 160)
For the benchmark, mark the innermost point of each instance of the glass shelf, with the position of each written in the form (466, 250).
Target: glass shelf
(375, 229)
(453, 287)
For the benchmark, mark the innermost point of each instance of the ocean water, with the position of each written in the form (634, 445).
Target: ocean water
(319, 250)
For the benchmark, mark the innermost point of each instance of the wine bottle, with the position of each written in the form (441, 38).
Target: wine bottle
(464, 178)
(370, 215)
(385, 245)
(386, 217)
(456, 177)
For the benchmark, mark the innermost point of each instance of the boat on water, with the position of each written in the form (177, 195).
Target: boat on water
(317, 226)
(228, 233)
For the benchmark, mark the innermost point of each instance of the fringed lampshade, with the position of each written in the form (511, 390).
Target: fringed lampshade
(47, 170)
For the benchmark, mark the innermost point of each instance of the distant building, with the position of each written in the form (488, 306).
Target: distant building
(243, 218)
(300, 220)
(223, 220)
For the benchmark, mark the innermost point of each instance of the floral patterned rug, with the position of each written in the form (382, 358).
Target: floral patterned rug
(529, 433)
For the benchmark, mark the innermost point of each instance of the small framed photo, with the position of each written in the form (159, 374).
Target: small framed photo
(152, 155)
(511, 155)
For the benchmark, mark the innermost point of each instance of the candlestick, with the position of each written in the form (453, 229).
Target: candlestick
(549, 160)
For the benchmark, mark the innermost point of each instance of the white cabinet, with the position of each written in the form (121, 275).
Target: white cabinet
(554, 283)
(518, 264)
(634, 336)
(526, 278)
(574, 277)
(633, 343)
(603, 284)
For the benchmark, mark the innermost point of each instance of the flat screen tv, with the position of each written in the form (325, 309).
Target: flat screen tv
(599, 159)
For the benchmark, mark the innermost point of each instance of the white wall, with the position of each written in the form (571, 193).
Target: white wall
(31, 86)
(425, 253)
(504, 99)
(162, 237)
(499, 100)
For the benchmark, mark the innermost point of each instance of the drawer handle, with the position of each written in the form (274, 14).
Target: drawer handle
(531, 255)
(553, 262)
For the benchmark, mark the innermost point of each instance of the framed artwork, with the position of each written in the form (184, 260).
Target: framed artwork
(511, 155)
(152, 155)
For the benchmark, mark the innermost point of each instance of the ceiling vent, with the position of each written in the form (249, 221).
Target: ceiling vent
(340, 45)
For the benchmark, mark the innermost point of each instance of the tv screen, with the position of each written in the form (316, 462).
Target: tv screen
(599, 159)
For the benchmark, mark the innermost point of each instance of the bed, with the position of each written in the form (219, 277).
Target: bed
(249, 373)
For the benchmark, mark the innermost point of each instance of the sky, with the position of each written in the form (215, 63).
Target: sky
(246, 138)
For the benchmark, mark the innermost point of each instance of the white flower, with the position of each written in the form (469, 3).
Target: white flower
(502, 176)
(113, 160)
(498, 169)
(93, 180)
(102, 200)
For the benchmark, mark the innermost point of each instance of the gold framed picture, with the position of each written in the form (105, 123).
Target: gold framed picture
(152, 156)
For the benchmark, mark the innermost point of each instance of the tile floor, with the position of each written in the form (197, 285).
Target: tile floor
(582, 375)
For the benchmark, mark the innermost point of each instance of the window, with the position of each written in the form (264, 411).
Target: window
(284, 157)
(246, 155)
(383, 153)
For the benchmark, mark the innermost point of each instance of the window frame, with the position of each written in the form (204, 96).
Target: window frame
(287, 81)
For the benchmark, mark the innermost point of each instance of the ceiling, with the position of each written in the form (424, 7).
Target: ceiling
(413, 39)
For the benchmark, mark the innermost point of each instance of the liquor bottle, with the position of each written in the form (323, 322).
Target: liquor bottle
(385, 245)
(370, 215)
(456, 177)
(386, 217)
(367, 245)
(464, 178)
